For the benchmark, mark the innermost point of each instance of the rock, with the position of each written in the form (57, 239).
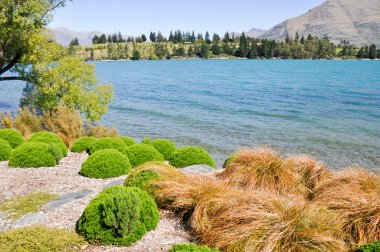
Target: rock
(29, 220)
(199, 170)
(66, 198)
(115, 183)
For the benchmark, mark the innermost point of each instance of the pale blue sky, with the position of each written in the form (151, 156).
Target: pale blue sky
(142, 16)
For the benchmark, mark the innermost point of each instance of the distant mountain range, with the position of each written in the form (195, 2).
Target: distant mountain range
(355, 20)
(65, 35)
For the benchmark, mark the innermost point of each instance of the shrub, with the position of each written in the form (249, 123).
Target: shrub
(142, 180)
(108, 143)
(6, 120)
(101, 131)
(191, 155)
(5, 150)
(146, 140)
(28, 122)
(370, 247)
(191, 248)
(128, 140)
(40, 239)
(165, 147)
(12, 136)
(83, 144)
(49, 138)
(141, 153)
(32, 154)
(106, 164)
(119, 216)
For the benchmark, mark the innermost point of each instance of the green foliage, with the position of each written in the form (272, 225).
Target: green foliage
(40, 239)
(5, 150)
(19, 206)
(165, 147)
(191, 155)
(119, 215)
(50, 138)
(136, 55)
(141, 153)
(12, 136)
(108, 143)
(107, 163)
(142, 180)
(370, 247)
(32, 154)
(128, 140)
(83, 144)
(191, 248)
(146, 140)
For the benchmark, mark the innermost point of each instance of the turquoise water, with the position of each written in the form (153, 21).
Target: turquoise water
(328, 109)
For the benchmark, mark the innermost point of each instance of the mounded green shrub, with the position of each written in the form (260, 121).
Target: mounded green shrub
(191, 155)
(109, 143)
(12, 136)
(370, 247)
(32, 154)
(142, 180)
(49, 138)
(5, 150)
(141, 153)
(83, 144)
(106, 164)
(191, 248)
(165, 147)
(119, 216)
(128, 140)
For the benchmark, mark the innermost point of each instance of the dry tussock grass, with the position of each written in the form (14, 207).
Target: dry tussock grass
(28, 122)
(101, 131)
(6, 120)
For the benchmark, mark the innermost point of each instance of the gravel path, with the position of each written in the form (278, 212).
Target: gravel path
(75, 193)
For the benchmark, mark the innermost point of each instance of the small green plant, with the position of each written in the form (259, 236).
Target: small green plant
(191, 248)
(119, 216)
(146, 140)
(5, 150)
(108, 143)
(83, 144)
(12, 136)
(40, 239)
(18, 206)
(128, 140)
(32, 154)
(165, 147)
(106, 164)
(142, 180)
(191, 155)
(370, 247)
(141, 153)
(49, 138)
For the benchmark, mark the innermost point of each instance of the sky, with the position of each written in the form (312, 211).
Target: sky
(135, 17)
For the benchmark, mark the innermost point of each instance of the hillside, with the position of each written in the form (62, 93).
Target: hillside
(356, 21)
(65, 35)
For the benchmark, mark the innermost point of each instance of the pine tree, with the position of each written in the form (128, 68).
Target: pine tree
(297, 37)
(215, 38)
(200, 37)
(160, 38)
(171, 36)
(109, 39)
(114, 38)
(226, 38)
(243, 47)
(372, 54)
(120, 38)
(143, 37)
(302, 40)
(95, 40)
(207, 38)
(103, 39)
(192, 38)
(204, 52)
(190, 52)
(153, 37)
(378, 53)
(287, 39)
(309, 37)
(216, 50)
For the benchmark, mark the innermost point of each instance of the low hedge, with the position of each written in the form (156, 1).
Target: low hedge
(370, 247)
(106, 164)
(108, 143)
(49, 138)
(12, 136)
(83, 144)
(119, 216)
(142, 180)
(5, 150)
(32, 154)
(128, 140)
(191, 155)
(191, 248)
(141, 153)
(165, 147)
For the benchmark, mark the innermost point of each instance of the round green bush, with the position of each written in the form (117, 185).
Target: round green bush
(370, 247)
(191, 248)
(83, 144)
(5, 150)
(119, 216)
(128, 140)
(12, 136)
(191, 155)
(141, 153)
(106, 164)
(108, 143)
(142, 180)
(165, 147)
(32, 154)
(49, 138)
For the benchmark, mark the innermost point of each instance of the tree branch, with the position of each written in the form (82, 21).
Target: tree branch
(13, 78)
(11, 64)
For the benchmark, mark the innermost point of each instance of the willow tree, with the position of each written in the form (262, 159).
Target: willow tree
(29, 53)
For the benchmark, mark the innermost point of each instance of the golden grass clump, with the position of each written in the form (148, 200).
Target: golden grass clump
(6, 120)
(260, 169)
(101, 131)
(355, 195)
(28, 122)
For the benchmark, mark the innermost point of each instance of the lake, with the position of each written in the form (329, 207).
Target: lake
(328, 109)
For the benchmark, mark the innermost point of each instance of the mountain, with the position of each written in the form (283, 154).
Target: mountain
(353, 20)
(254, 33)
(65, 35)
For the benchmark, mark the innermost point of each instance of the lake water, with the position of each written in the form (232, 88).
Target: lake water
(328, 109)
